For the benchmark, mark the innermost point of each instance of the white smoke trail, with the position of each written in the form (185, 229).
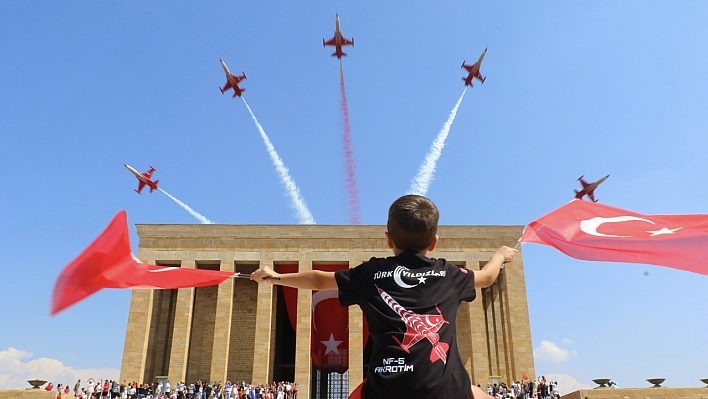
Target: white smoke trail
(194, 213)
(297, 202)
(422, 180)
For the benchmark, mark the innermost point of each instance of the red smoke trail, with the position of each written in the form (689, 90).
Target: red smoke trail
(355, 217)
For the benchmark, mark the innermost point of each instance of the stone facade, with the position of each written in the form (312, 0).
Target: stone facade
(228, 332)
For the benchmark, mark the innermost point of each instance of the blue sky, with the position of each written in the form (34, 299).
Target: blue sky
(573, 88)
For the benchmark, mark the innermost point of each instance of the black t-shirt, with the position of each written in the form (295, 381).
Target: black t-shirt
(410, 303)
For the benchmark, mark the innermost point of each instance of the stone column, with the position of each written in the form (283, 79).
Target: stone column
(264, 320)
(184, 310)
(303, 360)
(480, 350)
(222, 325)
(518, 319)
(356, 342)
(136, 335)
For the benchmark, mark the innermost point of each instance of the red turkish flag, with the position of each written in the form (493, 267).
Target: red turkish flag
(329, 339)
(109, 263)
(330, 326)
(591, 231)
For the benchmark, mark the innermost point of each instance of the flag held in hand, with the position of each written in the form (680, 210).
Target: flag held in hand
(591, 231)
(109, 263)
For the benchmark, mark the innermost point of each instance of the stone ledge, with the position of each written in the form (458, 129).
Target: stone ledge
(271, 232)
(30, 394)
(639, 393)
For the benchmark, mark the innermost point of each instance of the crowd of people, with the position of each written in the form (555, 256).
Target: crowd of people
(529, 389)
(108, 389)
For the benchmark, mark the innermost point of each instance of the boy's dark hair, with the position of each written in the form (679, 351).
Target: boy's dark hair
(413, 222)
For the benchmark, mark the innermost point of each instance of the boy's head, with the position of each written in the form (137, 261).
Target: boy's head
(413, 222)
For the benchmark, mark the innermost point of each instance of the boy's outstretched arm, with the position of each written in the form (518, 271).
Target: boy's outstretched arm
(306, 280)
(485, 277)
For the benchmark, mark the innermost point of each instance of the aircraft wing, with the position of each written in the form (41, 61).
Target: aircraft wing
(346, 42)
(410, 339)
(583, 182)
(148, 173)
(331, 42)
(141, 184)
(591, 195)
(470, 68)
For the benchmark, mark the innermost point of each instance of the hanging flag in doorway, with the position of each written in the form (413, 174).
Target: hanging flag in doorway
(330, 322)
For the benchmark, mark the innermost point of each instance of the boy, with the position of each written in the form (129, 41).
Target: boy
(410, 302)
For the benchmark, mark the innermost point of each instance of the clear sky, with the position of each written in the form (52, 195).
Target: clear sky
(573, 88)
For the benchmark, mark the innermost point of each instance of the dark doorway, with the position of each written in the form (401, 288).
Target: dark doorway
(284, 361)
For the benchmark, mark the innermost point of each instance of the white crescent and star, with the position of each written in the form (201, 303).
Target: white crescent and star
(397, 278)
(331, 345)
(663, 231)
(590, 226)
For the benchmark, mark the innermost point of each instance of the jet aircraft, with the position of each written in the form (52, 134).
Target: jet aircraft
(474, 70)
(419, 327)
(232, 81)
(588, 188)
(143, 178)
(338, 41)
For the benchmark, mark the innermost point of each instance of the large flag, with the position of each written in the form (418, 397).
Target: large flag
(109, 263)
(330, 321)
(591, 231)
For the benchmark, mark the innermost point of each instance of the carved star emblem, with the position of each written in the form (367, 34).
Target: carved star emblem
(331, 345)
(663, 231)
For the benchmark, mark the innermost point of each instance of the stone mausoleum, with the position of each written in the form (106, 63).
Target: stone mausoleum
(240, 330)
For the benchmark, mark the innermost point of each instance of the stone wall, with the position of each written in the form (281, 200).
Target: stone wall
(639, 393)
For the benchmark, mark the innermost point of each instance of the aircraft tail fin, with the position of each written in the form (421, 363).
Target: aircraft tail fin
(439, 352)
(153, 188)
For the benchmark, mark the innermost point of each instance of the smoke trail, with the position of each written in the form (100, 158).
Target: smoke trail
(422, 180)
(194, 213)
(355, 216)
(297, 202)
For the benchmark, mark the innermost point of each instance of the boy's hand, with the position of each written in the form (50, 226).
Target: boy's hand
(506, 253)
(262, 273)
